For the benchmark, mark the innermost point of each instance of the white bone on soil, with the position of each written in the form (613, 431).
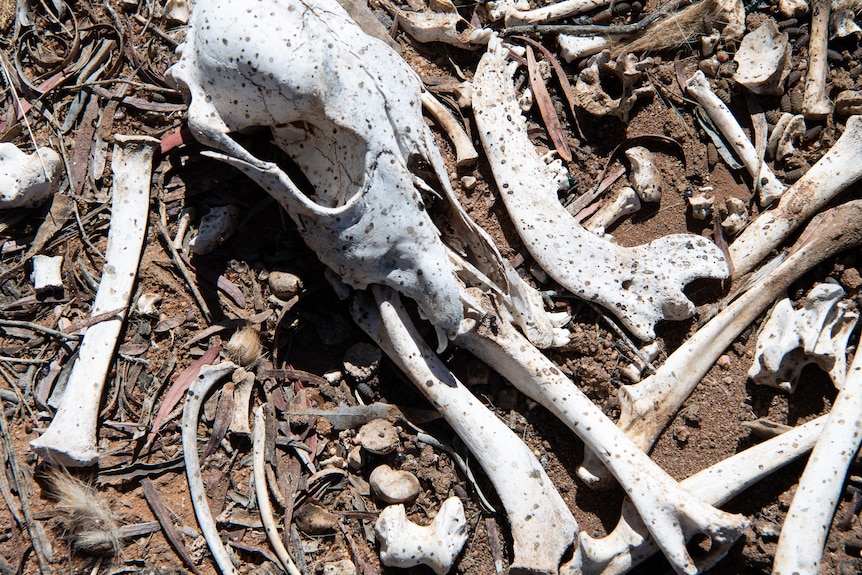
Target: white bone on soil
(763, 60)
(629, 543)
(350, 116)
(262, 494)
(542, 525)
(443, 24)
(673, 514)
(792, 338)
(803, 535)
(647, 407)
(209, 376)
(764, 179)
(70, 440)
(28, 180)
(815, 101)
(625, 202)
(465, 153)
(645, 177)
(640, 285)
(552, 12)
(838, 169)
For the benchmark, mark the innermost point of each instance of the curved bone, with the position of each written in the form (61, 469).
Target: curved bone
(465, 154)
(70, 440)
(262, 494)
(764, 179)
(803, 535)
(350, 117)
(815, 102)
(640, 285)
(629, 543)
(672, 514)
(209, 376)
(27, 180)
(531, 501)
(647, 407)
(833, 173)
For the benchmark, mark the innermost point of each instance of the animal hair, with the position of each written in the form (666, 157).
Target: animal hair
(671, 32)
(86, 518)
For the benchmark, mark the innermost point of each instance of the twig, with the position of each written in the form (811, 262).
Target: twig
(593, 29)
(163, 515)
(178, 262)
(39, 328)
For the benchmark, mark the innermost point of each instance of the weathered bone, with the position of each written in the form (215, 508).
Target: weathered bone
(624, 203)
(803, 535)
(815, 101)
(527, 493)
(47, 272)
(596, 100)
(443, 24)
(764, 179)
(629, 543)
(551, 12)
(737, 216)
(763, 60)
(465, 154)
(209, 376)
(788, 129)
(640, 285)
(577, 47)
(672, 514)
(350, 117)
(647, 407)
(27, 180)
(833, 173)
(815, 333)
(790, 8)
(70, 440)
(645, 177)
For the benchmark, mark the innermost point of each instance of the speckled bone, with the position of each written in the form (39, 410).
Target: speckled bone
(673, 514)
(640, 285)
(765, 180)
(70, 440)
(838, 169)
(27, 180)
(542, 525)
(347, 109)
(803, 535)
(815, 101)
(648, 406)
(630, 543)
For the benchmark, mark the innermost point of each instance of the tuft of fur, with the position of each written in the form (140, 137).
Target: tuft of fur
(244, 347)
(87, 520)
(676, 30)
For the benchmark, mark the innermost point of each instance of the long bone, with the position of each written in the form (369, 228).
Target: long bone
(209, 376)
(647, 407)
(672, 514)
(349, 116)
(70, 440)
(542, 526)
(764, 179)
(629, 543)
(838, 169)
(640, 285)
(803, 535)
(815, 102)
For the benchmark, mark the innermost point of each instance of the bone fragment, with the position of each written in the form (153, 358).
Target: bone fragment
(815, 101)
(47, 272)
(442, 24)
(803, 535)
(465, 154)
(701, 204)
(848, 103)
(790, 8)
(552, 12)
(787, 132)
(531, 501)
(672, 514)
(577, 47)
(815, 333)
(763, 60)
(737, 216)
(629, 543)
(645, 177)
(28, 180)
(764, 179)
(843, 22)
(262, 493)
(70, 440)
(244, 381)
(209, 376)
(216, 226)
(624, 203)
(641, 285)
(599, 101)
(647, 407)
(833, 173)
(437, 545)
(634, 371)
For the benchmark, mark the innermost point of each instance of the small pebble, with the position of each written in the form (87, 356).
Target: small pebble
(393, 486)
(722, 56)
(313, 519)
(469, 183)
(343, 567)
(850, 279)
(378, 436)
(724, 362)
(356, 458)
(284, 285)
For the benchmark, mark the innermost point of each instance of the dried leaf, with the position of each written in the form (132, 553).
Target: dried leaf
(546, 108)
(224, 415)
(163, 516)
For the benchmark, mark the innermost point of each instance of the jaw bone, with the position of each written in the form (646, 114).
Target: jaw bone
(640, 285)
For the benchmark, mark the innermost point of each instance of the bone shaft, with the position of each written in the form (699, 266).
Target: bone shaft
(803, 535)
(831, 175)
(553, 12)
(815, 102)
(465, 153)
(518, 478)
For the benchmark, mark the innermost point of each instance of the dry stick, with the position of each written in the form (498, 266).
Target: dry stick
(39, 328)
(163, 515)
(36, 536)
(595, 30)
(178, 262)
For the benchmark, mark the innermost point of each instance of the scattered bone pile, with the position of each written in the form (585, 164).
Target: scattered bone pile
(326, 116)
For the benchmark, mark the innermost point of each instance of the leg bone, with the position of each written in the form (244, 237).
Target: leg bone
(815, 102)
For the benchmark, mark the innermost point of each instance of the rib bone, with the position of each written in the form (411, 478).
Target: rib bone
(838, 169)
(647, 407)
(640, 285)
(70, 440)
(672, 514)
(531, 501)
(764, 179)
(803, 535)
